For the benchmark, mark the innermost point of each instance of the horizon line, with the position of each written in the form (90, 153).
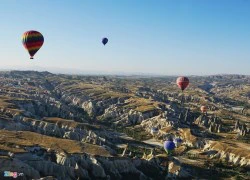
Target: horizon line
(93, 73)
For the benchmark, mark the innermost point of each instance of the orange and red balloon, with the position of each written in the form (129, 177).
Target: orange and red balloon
(203, 109)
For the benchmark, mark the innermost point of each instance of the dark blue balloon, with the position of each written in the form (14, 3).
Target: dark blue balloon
(105, 41)
(169, 145)
(179, 140)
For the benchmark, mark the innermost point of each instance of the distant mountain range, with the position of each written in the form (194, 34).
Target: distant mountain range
(58, 70)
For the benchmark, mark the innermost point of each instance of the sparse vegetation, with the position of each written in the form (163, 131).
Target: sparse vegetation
(100, 116)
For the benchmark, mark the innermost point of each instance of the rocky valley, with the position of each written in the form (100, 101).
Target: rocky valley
(55, 126)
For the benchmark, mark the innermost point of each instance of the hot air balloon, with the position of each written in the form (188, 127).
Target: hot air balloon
(104, 41)
(178, 142)
(182, 82)
(178, 139)
(154, 131)
(32, 41)
(169, 146)
(203, 109)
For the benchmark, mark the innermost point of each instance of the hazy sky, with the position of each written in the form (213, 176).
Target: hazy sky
(147, 36)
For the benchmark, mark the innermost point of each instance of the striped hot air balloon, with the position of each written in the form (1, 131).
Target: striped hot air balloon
(182, 82)
(32, 41)
(203, 109)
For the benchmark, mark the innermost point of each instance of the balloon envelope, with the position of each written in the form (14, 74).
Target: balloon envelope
(105, 41)
(182, 82)
(169, 145)
(32, 41)
(179, 140)
(203, 109)
(154, 130)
